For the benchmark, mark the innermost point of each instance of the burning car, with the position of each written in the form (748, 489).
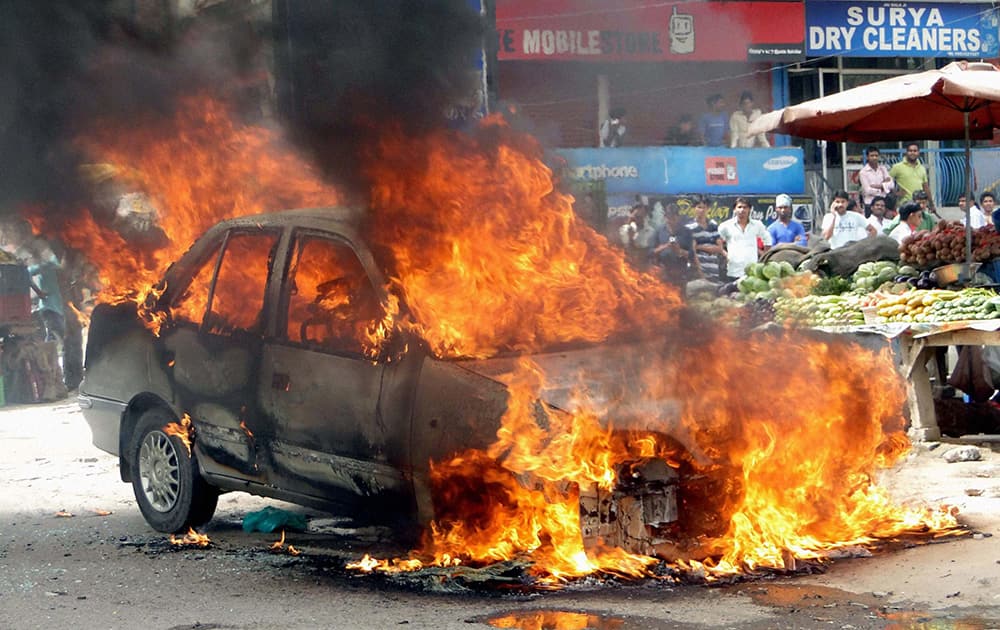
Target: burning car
(271, 360)
(465, 354)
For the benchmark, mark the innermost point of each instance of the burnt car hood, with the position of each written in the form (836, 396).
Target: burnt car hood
(604, 379)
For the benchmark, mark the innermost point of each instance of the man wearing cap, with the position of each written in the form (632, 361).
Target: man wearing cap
(786, 229)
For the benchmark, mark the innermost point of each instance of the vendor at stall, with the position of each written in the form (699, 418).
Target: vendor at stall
(910, 215)
(927, 220)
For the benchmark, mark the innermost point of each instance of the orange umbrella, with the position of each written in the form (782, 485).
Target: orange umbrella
(929, 105)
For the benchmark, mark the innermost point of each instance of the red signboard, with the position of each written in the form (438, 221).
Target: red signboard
(721, 171)
(639, 30)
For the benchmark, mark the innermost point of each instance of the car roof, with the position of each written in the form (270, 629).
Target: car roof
(330, 216)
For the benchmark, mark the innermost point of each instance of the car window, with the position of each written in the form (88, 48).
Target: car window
(191, 303)
(235, 301)
(331, 302)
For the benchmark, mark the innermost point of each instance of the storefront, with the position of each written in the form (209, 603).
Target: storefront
(851, 43)
(566, 63)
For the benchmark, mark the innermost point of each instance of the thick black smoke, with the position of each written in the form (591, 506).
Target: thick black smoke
(43, 49)
(69, 63)
(346, 68)
(340, 66)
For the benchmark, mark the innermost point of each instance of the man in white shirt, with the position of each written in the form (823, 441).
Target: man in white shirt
(877, 219)
(977, 217)
(739, 124)
(841, 227)
(740, 234)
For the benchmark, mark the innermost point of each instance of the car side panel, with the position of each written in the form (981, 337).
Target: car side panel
(123, 360)
(454, 410)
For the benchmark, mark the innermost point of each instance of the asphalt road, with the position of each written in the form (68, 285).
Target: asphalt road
(75, 552)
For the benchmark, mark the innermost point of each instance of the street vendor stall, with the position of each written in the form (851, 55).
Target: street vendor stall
(894, 300)
(917, 353)
(29, 367)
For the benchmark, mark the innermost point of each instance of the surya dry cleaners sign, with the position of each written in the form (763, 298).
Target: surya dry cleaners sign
(901, 29)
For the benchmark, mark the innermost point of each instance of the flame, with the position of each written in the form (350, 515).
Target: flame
(192, 170)
(184, 430)
(279, 544)
(190, 539)
(489, 256)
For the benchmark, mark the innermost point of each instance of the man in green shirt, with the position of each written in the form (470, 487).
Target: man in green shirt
(911, 176)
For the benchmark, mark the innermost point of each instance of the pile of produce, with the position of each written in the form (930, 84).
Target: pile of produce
(819, 310)
(940, 306)
(878, 291)
(946, 244)
(769, 280)
(875, 275)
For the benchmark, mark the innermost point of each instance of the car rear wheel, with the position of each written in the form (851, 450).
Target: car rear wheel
(168, 486)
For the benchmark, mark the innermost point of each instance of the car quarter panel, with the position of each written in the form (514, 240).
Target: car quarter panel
(123, 360)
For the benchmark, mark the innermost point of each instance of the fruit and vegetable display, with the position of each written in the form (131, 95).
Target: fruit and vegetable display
(877, 292)
(946, 244)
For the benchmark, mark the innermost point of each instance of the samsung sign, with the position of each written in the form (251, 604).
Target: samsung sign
(901, 29)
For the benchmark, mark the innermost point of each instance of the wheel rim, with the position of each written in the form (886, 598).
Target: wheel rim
(159, 471)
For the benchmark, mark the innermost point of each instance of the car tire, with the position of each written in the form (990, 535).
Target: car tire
(168, 486)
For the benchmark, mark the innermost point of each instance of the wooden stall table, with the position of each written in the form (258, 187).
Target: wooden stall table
(917, 346)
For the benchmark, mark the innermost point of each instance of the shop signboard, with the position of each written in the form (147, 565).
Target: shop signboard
(901, 29)
(689, 170)
(638, 30)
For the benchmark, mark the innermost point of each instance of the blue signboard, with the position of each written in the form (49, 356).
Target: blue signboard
(901, 29)
(683, 170)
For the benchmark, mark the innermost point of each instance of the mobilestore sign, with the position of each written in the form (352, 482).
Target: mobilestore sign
(901, 29)
(639, 30)
(681, 170)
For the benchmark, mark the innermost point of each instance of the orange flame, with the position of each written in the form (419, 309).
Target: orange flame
(184, 430)
(279, 544)
(197, 168)
(190, 539)
(489, 256)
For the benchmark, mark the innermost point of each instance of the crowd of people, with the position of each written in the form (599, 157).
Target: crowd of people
(892, 202)
(717, 126)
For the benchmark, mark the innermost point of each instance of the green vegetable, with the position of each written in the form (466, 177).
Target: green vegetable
(834, 285)
(771, 270)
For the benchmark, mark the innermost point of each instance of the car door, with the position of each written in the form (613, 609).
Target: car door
(213, 347)
(323, 379)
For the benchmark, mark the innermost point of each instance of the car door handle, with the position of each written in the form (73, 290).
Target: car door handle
(281, 381)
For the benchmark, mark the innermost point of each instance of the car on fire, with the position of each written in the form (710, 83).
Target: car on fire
(275, 370)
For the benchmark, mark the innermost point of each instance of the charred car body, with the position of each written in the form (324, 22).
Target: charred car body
(267, 348)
